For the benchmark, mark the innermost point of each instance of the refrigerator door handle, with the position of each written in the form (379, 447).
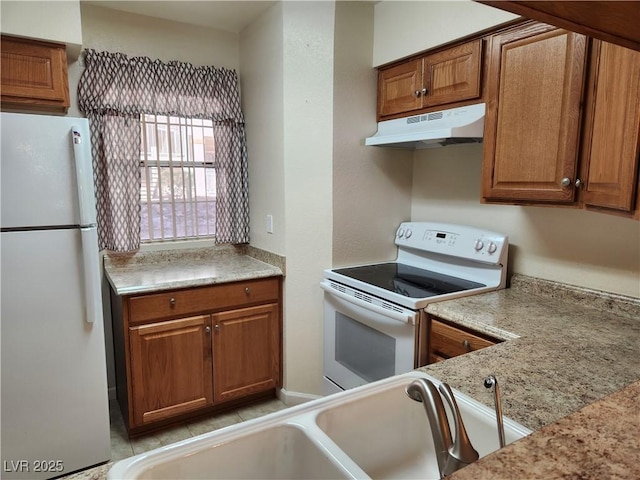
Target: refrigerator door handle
(84, 178)
(91, 269)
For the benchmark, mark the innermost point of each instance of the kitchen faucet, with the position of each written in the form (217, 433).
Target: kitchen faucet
(451, 454)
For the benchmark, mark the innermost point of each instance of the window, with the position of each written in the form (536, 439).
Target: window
(178, 192)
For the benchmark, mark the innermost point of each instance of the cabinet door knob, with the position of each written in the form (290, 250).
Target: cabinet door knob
(466, 344)
(207, 329)
(417, 93)
(172, 301)
(424, 91)
(247, 290)
(578, 183)
(216, 327)
(565, 182)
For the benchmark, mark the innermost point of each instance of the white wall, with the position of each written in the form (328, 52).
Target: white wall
(403, 28)
(371, 186)
(286, 72)
(308, 144)
(262, 82)
(582, 248)
(587, 249)
(309, 94)
(53, 21)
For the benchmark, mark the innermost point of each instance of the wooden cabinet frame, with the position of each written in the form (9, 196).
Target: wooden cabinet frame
(450, 76)
(585, 155)
(181, 353)
(34, 75)
(615, 22)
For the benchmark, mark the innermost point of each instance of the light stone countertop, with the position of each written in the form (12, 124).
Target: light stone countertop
(168, 269)
(574, 348)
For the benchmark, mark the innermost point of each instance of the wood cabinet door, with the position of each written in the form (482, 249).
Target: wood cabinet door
(171, 369)
(612, 134)
(397, 87)
(246, 351)
(453, 75)
(535, 85)
(34, 73)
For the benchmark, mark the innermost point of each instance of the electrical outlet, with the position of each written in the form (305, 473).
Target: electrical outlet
(269, 223)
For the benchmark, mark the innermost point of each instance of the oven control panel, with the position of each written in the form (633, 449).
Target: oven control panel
(456, 240)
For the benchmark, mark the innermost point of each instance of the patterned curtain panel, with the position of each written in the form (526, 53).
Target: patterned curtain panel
(114, 91)
(116, 176)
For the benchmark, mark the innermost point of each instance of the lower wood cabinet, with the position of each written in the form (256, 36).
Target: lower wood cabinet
(447, 340)
(223, 345)
(171, 368)
(245, 351)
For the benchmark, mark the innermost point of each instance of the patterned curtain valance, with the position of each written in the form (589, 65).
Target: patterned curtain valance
(136, 85)
(114, 91)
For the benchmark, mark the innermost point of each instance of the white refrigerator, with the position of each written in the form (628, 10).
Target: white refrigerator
(54, 400)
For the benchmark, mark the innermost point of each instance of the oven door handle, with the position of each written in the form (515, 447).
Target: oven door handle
(400, 317)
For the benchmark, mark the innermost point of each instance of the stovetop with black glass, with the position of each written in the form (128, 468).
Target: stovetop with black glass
(435, 262)
(407, 280)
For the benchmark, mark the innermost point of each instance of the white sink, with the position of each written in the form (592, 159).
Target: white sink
(280, 451)
(374, 431)
(388, 436)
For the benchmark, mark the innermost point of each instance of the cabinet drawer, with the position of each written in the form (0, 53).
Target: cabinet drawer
(447, 341)
(176, 303)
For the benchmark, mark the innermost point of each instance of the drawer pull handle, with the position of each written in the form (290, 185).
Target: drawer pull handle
(247, 290)
(172, 301)
(466, 344)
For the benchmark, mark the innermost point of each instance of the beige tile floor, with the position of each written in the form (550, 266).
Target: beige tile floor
(122, 447)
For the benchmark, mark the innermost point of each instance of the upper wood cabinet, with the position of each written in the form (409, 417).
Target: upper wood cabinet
(444, 77)
(611, 136)
(557, 132)
(611, 21)
(534, 90)
(34, 75)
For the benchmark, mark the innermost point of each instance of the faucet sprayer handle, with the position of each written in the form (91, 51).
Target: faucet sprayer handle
(461, 449)
(492, 381)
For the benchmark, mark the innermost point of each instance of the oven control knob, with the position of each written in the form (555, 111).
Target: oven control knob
(478, 245)
(408, 234)
(492, 247)
(401, 232)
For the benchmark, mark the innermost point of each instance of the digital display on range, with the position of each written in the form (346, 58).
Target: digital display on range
(441, 235)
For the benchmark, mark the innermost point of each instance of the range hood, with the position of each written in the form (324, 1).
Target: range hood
(434, 129)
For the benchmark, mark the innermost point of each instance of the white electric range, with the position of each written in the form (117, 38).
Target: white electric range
(374, 319)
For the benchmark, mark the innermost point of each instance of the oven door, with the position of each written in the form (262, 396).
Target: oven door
(364, 342)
